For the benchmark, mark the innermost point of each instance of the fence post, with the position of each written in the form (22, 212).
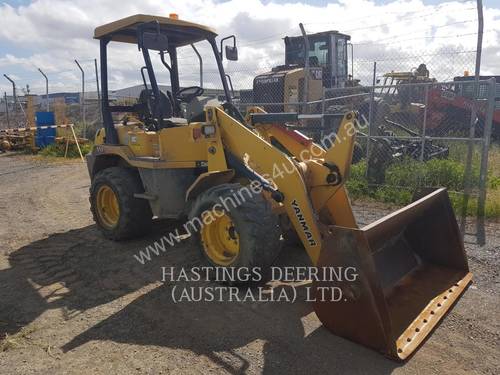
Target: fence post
(14, 96)
(370, 118)
(306, 66)
(6, 109)
(424, 124)
(483, 172)
(472, 128)
(46, 89)
(352, 61)
(82, 100)
(98, 90)
(323, 107)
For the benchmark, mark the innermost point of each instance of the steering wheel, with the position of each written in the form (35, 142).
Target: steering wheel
(187, 94)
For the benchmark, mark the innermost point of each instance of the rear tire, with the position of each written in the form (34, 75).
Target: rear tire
(133, 216)
(255, 225)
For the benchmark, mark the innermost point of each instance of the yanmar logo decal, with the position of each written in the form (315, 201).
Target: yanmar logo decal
(302, 221)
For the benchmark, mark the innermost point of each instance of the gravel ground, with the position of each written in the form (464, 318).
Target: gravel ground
(73, 302)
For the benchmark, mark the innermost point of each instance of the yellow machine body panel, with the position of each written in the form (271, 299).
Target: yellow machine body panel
(178, 144)
(183, 146)
(143, 143)
(295, 86)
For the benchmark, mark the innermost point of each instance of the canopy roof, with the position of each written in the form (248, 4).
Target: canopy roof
(321, 34)
(179, 33)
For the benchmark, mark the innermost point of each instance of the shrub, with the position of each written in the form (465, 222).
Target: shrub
(58, 150)
(403, 178)
(357, 184)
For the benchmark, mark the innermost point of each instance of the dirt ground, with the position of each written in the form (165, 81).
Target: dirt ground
(73, 302)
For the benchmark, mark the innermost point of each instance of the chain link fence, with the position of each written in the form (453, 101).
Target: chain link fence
(423, 121)
(415, 136)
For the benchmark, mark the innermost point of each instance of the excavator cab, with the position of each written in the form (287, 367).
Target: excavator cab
(328, 50)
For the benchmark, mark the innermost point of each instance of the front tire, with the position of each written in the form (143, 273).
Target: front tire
(117, 213)
(246, 235)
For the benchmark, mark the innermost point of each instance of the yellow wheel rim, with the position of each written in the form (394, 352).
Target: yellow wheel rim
(108, 208)
(220, 239)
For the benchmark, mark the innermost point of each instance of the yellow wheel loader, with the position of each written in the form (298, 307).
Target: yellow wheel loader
(241, 179)
(327, 55)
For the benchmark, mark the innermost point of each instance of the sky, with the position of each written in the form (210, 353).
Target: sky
(399, 35)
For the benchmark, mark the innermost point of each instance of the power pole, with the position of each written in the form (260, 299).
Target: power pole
(82, 99)
(46, 89)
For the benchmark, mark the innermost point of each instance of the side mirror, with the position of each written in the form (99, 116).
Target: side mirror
(232, 53)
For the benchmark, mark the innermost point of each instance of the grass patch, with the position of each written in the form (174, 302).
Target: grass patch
(402, 179)
(58, 150)
(17, 340)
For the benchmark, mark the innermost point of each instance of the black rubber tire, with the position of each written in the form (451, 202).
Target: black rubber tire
(257, 226)
(135, 213)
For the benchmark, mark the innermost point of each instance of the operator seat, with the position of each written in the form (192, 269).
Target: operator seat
(167, 103)
(313, 61)
(145, 98)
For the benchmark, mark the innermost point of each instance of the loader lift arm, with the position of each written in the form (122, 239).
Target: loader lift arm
(411, 264)
(289, 177)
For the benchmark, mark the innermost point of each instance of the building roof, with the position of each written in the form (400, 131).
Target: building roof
(179, 32)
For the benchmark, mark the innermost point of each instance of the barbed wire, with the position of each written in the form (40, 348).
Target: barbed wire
(406, 19)
(422, 38)
(435, 10)
(412, 57)
(246, 70)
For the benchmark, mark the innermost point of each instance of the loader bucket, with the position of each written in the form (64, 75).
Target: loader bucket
(411, 267)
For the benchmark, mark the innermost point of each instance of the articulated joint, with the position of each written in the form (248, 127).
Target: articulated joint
(334, 177)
